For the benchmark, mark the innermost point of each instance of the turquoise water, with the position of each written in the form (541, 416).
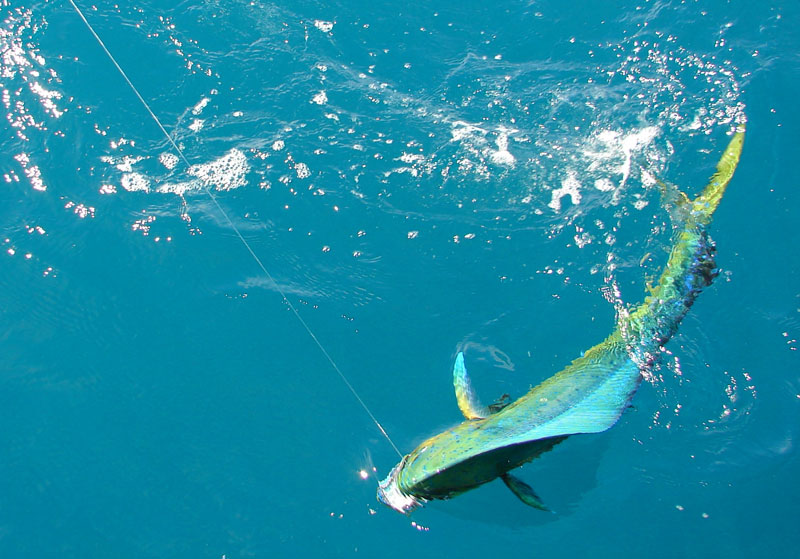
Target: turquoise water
(418, 179)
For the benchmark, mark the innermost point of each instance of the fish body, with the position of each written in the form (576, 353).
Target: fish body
(588, 396)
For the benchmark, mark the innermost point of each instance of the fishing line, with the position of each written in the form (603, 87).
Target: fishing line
(238, 233)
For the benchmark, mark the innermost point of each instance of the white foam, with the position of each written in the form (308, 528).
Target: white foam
(200, 106)
(463, 130)
(615, 151)
(502, 156)
(179, 188)
(124, 163)
(633, 143)
(226, 173)
(168, 160)
(47, 97)
(604, 185)
(320, 98)
(411, 157)
(31, 171)
(135, 182)
(302, 171)
(569, 186)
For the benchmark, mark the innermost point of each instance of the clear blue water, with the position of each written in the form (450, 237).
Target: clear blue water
(418, 178)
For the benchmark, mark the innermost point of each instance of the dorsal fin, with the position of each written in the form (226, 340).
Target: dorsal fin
(468, 402)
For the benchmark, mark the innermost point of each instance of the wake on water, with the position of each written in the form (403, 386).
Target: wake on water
(532, 145)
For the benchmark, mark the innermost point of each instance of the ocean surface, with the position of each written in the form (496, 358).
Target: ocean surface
(416, 179)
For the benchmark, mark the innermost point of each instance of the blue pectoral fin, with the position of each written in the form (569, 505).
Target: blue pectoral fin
(467, 400)
(524, 491)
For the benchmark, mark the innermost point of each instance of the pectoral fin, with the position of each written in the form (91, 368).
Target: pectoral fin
(524, 491)
(499, 404)
(467, 400)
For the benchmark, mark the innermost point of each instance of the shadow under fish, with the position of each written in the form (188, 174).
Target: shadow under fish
(588, 396)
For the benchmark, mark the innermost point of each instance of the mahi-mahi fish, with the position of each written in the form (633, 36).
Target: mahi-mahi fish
(589, 395)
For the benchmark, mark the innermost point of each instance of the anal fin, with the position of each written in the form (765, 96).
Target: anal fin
(524, 492)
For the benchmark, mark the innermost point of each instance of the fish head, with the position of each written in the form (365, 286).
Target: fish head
(390, 494)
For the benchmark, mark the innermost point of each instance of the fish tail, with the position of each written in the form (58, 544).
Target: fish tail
(706, 203)
(690, 267)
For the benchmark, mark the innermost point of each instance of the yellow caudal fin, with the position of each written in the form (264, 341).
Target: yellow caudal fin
(704, 205)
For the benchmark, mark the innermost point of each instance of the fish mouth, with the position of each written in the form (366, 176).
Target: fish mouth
(390, 494)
